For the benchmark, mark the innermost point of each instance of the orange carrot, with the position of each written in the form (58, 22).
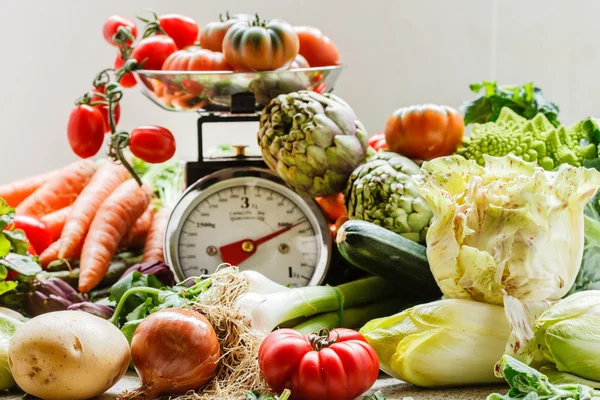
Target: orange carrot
(50, 254)
(114, 219)
(55, 221)
(136, 237)
(104, 182)
(60, 191)
(14, 193)
(154, 248)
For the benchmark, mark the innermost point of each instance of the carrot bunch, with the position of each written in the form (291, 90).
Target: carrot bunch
(95, 209)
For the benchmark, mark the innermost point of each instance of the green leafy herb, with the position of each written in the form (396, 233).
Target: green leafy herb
(13, 250)
(526, 100)
(255, 395)
(528, 384)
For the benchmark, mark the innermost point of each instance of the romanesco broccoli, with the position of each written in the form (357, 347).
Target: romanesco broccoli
(533, 140)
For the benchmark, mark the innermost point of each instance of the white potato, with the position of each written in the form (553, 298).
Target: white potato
(67, 355)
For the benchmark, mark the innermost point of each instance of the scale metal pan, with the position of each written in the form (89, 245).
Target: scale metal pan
(210, 91)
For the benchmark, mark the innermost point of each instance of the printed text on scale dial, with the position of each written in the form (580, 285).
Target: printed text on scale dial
(252, 227)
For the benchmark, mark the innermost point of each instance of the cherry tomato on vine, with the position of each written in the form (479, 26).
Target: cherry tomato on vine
(104, 109)
(112, 24)
(85, 130)
(182, 29)
(128, 80)
(37, 232)
(153, 144)
(336, 365)
(152, 51)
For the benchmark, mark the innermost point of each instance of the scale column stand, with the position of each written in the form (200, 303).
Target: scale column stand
(243, 109)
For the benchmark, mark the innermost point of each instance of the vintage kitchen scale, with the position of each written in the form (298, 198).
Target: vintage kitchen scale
(235, 210)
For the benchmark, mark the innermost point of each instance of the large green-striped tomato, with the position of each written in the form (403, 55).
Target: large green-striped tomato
(260, 45)
(424, 132)
(211, 37)
(340, 365)
(317, 48)
(194, 58)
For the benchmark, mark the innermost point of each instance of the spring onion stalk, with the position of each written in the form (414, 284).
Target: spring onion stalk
(353, 318)
(267, 311)
(261, 284)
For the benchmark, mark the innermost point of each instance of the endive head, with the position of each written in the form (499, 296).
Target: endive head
(444, 343)
(509, 227)
(568, 334)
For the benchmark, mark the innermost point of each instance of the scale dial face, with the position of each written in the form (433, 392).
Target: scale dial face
(247, 217)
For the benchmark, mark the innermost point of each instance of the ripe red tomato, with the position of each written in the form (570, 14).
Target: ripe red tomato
(104, 109)
(153, 144)
(85, 130)
(182, 29)
(37, 232)
(152, 51)
(112, 24)
(317, 48)
(194, 58)
(377, 142)
(339, 366)
(128, 80)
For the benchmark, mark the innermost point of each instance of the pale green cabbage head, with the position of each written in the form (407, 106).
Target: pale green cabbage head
(507, 228)
(444, 343)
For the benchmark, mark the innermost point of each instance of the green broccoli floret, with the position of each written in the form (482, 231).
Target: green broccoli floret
(533, 140)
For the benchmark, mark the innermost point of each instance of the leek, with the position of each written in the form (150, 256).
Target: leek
(353, 318)
(267, 311)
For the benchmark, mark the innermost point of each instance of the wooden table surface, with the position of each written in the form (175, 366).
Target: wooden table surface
(391, 388)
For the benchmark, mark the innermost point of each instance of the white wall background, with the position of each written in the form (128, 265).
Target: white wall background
(398, 52)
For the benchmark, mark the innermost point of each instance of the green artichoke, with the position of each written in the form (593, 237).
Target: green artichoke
(313, 141)
(383, 191)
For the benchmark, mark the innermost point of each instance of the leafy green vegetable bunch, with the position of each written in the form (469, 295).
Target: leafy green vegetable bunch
(526, 100)
(13, 250)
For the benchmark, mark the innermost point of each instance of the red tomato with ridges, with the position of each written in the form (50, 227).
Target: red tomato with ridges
(194, 58)
(112, 24)
(152, 51)
(182, 29)
(337, 366)
(316, 48)
(85, 130)
(153, 144)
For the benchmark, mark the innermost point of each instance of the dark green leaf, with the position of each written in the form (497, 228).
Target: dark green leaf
(24, 265)
(18, 241)
(526, 100)
(129, 328)
(255, 395)
(135, 279)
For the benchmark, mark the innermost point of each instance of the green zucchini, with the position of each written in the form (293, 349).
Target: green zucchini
(384, 253)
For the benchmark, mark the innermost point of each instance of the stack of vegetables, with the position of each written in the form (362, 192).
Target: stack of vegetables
(468, 246)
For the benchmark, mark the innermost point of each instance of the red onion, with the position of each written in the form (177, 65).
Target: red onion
(174, 351)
